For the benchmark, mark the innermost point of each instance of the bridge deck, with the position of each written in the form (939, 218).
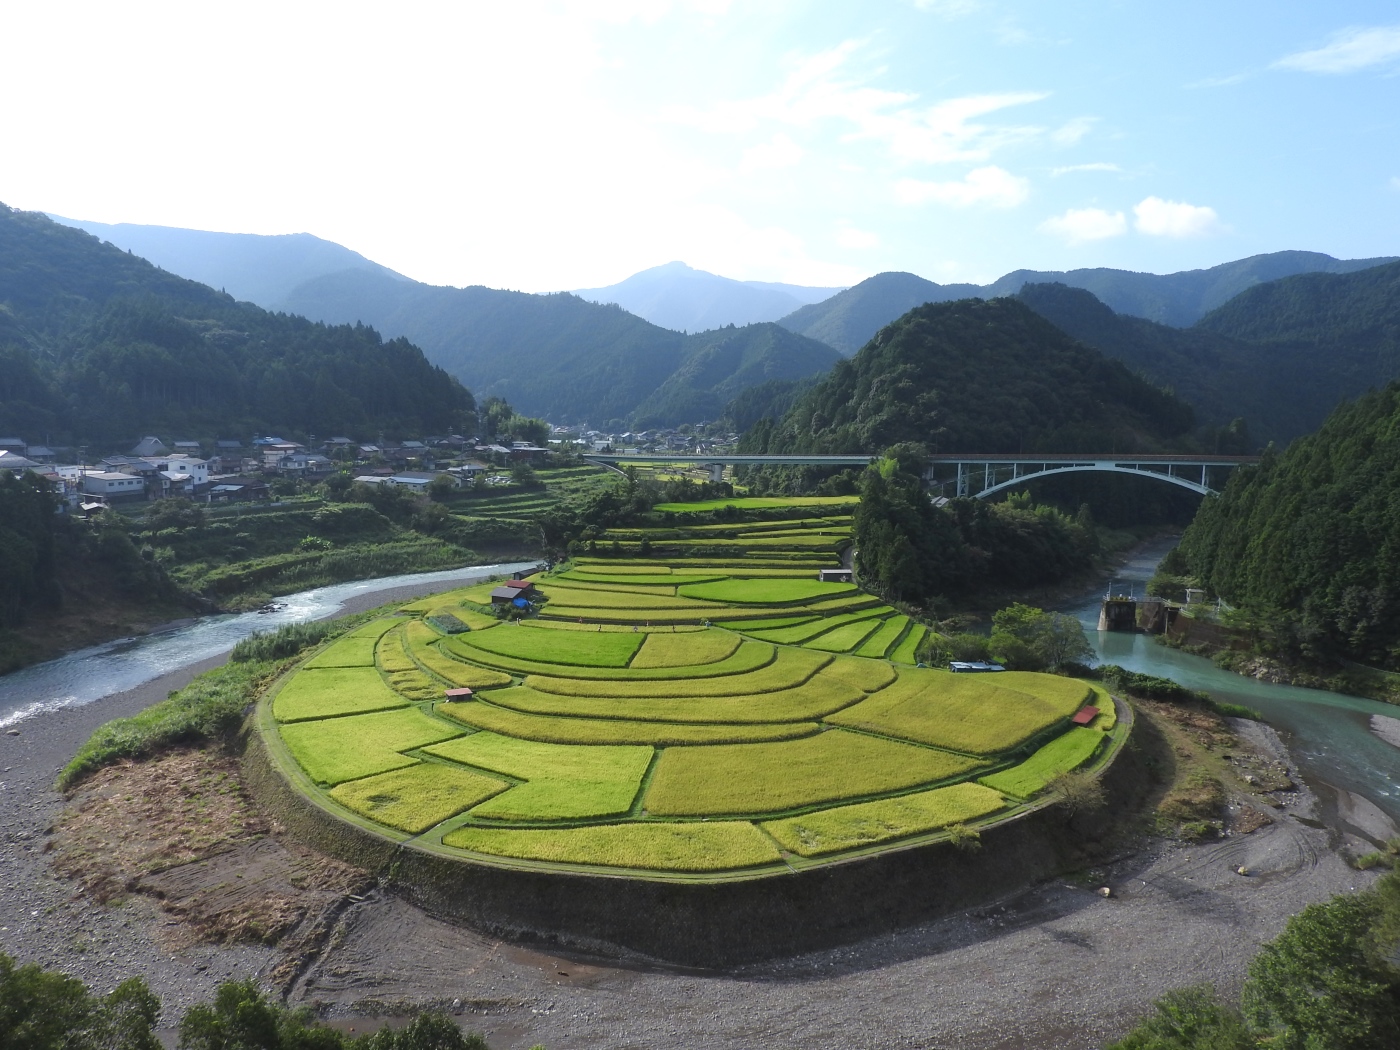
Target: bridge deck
(941, 457)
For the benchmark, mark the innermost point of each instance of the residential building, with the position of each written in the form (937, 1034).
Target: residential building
(149, 446)
(114, 485)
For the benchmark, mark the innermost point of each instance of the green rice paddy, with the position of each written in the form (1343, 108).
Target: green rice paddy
(711, 708)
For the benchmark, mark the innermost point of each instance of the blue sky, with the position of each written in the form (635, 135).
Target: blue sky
(556, 145)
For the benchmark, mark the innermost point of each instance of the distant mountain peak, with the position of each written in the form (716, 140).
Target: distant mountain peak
(676, 295)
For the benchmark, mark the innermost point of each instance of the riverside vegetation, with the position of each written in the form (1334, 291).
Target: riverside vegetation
(1303, 546)
(44, 1010)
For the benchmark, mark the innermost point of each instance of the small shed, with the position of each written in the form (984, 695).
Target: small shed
(834, 575)
(1085, 715)
(973, 667)
(458, 694)
(504, 595)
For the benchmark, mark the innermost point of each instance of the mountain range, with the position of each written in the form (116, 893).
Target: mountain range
(564, 359)
(1277, 339)
(849, 318)
(678, 297)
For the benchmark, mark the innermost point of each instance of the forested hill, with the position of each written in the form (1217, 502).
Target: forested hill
(848, 319)
(975, 376)
(97, 345)
(1281, 355)
(1356, 315)
(1309, 540)
(565, 359)
(1280, 397)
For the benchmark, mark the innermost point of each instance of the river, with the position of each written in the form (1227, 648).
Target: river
(1329, 734)
(87, 675)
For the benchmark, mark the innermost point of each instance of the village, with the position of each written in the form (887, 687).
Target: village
(266, 467)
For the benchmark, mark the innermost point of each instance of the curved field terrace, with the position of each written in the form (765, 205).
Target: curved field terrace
(706, 709)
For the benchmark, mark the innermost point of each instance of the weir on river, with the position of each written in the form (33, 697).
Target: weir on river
(1329, 734)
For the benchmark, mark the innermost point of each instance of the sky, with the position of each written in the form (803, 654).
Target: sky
(545, 146)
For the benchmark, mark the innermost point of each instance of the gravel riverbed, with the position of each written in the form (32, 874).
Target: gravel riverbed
(1055, 966)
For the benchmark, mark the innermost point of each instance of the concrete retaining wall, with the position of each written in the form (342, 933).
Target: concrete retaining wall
(719, 924)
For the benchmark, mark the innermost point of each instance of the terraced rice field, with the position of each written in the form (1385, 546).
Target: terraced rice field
(672, 714)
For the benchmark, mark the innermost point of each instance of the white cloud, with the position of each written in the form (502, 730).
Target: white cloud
(778, 152)
(1348, 51)
(848, 236)
(1215, 82)
(1070, 133)
(1095, 166)
(991, 186)
(824, 89)
(1078, 225)
(1159, 218)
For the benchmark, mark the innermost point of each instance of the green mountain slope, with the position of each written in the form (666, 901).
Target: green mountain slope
(1310, 539)
(1181, 299)
(1281, 355)
(564, 359)
(1223, 378)
(848, 319)
(977, 376)
(99, 345)
(1356, 313)
(721, 365)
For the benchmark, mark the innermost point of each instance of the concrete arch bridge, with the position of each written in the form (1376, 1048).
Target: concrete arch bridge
(980, 476)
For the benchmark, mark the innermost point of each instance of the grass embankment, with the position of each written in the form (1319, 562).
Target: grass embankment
(211, 707)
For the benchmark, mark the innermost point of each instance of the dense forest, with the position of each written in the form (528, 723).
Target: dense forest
(1308, 541)
(1280, 355)
(97, 345)
(565, 359)
(974, 376)
(913, 551)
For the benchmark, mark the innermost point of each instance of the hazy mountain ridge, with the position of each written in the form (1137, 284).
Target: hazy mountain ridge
(253, 268)
(562, 358)
(678, 297)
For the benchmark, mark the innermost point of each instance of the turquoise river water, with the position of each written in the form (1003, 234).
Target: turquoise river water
(1329, 734)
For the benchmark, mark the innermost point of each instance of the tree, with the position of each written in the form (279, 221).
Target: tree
(1325, 982)
(40, 1010)
(1054, 639)
(1189, 1019)
(241, 1018)
(432, 1031)
(442, 487)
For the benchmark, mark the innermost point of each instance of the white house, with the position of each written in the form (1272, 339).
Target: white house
(195, 470)
(113, 484)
